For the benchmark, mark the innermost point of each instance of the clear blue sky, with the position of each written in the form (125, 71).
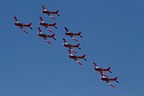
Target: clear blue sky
(113, 35)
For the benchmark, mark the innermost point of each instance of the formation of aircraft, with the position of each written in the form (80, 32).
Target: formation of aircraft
(70, 47)
(104, 76)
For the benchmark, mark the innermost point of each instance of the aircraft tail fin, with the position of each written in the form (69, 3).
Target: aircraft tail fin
(58, 12)
(116, 79)
(80, 34)
(84, 57)
(29, 24)
(109, 69)
(78, 46)
(54, 23)
(53, 36)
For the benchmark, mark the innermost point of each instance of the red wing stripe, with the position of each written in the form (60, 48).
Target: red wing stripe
(75, 39)
(52, 17)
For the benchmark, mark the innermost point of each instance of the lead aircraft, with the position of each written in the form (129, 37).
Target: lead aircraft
(76, 58)
(45, 36)
(72, 34)
(70, 46)
(49, 13)
(21, 25)
(47, 25)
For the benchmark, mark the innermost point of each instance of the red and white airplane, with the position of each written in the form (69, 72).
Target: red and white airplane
(49, 13)
(46, 25)
(45, 36)
(76, 58)
(72, 34)
(70, 46)
(108, 80)
(101, 70)
(21, 25)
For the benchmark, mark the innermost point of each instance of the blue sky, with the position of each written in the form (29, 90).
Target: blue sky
(112, 32)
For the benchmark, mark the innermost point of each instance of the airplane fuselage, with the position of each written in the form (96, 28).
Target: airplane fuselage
(101, 69)
(72, 34)
(108, 79)
(21, 25)
(46, 12)
(43, 35)
(105, 79)
(76, 57)
(46, 36)
(44, 24)
(98, 69)
(70, 46)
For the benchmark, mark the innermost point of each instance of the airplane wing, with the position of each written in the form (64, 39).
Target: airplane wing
(24, 30)
(78, 62)
(16, 20)
(71, 53)
(48, 42)
(44, 9)
(48, 28)
(111, 84)
(39, 29)
(66, 29)
(74, 39)
(52, 17)
(41, 19)
(64, 40)
(103, 74)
